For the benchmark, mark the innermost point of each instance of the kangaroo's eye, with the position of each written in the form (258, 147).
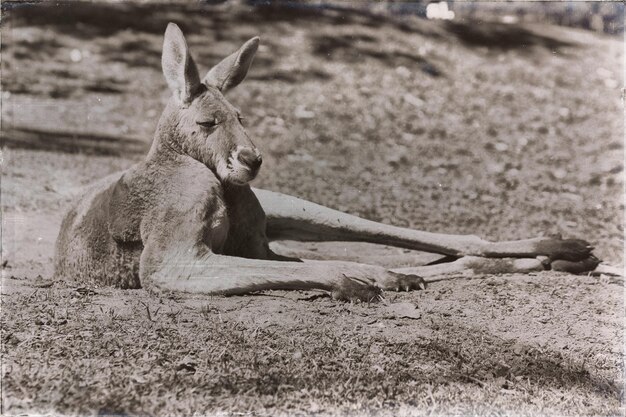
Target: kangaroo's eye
(241, 118)
(211, 123)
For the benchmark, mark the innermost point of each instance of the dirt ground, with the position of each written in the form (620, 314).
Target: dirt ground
(503, 131)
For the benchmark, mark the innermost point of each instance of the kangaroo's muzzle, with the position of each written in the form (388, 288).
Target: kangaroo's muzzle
(250, 158)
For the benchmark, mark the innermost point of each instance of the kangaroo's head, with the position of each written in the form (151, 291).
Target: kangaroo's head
(199, 121)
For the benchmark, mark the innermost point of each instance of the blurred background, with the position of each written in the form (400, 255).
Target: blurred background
(607, 17)
(502, 119)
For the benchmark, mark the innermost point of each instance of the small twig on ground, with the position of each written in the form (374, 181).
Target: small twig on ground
(148, 311)
(315, 297)
(476, 380)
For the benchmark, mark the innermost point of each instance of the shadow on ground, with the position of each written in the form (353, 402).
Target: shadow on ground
(501, 36)
(72, 142)
(336, 48)
(504, 359)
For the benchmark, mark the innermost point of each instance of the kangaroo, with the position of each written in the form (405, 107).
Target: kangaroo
(185, 219)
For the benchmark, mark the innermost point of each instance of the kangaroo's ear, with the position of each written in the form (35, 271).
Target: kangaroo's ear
(179, 69)
(233, 69)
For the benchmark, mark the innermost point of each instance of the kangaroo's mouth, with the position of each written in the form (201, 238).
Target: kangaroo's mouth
(239, 173)
(233, 164)
(229, 163)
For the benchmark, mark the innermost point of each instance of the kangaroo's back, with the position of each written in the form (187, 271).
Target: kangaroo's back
(86, 251)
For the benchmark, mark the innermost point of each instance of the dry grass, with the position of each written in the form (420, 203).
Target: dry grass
(171, 357)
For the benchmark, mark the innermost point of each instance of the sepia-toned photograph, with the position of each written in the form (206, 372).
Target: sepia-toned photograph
(312, 208)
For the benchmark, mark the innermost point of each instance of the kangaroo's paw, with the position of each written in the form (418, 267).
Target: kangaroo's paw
(396, 281)
(572, 250)
(357, 289)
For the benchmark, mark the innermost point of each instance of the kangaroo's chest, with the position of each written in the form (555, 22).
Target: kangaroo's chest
(233, 221)
(239, 228)
(218, 228)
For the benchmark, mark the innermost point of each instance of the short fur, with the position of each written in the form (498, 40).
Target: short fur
(186, 220)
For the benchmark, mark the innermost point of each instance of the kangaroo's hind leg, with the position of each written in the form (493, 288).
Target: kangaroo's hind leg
(292, 218)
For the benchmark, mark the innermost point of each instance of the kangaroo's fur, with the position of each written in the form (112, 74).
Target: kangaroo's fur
(186, 220)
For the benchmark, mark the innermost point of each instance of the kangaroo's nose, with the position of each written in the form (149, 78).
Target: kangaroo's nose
(250, 158)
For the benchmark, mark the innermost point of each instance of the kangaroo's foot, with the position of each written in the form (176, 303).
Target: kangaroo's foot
(574, 267)
(571, 250)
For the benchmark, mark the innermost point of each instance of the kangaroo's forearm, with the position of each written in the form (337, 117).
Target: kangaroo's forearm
(219, 274)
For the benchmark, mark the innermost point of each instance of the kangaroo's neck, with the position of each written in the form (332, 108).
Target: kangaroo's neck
(162, 148)
(165, 142)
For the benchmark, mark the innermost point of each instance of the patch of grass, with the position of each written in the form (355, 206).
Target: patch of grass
(144, 356)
